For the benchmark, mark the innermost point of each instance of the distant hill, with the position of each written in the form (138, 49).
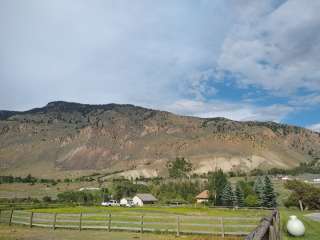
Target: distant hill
(71, 139)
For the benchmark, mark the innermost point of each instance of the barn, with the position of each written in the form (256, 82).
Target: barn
(144, 198)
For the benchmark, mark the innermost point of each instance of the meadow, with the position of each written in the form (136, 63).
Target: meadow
(159, 219)
(198, 215)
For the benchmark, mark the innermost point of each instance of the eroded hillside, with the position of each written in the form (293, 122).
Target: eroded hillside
(70, 138)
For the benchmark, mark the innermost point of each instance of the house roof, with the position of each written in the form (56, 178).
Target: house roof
(146, 197)
(203, 195)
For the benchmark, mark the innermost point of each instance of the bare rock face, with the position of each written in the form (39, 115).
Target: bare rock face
(67, 137)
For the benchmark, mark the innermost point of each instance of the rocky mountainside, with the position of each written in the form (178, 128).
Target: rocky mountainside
(71, 138)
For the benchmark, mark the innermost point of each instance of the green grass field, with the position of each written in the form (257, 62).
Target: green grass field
(25, 233)
(20, 232)
(185, 210)
(312, 227)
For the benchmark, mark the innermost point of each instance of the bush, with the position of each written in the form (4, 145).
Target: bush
(251, 200)
(81, 197)
(306, 193)
(178, 168)
(46, 199)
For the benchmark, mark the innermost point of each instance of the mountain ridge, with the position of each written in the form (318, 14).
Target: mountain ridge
(73, 138)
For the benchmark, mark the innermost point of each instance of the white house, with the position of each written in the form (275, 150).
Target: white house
(126, 202)
(144, 198)
(285, 178)
(316, 180)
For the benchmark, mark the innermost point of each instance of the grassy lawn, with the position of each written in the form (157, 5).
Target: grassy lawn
(161, 210)
(312, 227)
(25, 233)
(159, 218)
(20, 232)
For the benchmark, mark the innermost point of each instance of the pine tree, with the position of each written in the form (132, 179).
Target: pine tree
(239, 196)
(227, 195)
(258, 189)
(269, 197)
(217, 181)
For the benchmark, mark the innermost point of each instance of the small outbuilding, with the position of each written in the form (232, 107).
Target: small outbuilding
(203, 197)
(144, 198)
(126, 202)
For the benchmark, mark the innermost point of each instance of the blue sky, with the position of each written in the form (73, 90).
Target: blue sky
(240, 59)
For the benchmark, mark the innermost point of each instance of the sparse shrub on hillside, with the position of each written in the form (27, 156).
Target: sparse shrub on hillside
(28, 179)
(304, 167)
(179, 168)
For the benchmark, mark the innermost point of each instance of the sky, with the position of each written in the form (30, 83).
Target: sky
(239, 59)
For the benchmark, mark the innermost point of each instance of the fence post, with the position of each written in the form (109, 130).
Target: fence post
(279, 225)
(80, 221)
(54, 221)
(31, 219)
(275, 226)
(272, 235)
(178, 226)
(222, 227)
(109, 224)
(141, 230)
(11, 214)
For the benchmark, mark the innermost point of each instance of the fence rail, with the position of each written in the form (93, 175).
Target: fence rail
(178, 224)
(268, 229)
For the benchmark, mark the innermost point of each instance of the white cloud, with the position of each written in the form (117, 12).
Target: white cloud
(162, 54)
(309, 100)
(278, 49)
(104, 51)
(230, 110)
(314, 127)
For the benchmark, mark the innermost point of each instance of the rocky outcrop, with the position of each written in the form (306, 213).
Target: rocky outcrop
(72, 137)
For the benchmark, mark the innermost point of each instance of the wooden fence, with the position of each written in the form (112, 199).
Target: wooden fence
(177, 224)
(268, 229)
(20, 206)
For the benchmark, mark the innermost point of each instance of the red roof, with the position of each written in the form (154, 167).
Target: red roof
(203, 195)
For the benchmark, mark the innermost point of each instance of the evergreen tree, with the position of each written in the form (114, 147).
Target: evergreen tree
(239, 196)
(227, 196)
(269, 197)
(217, 181)
(258, 189)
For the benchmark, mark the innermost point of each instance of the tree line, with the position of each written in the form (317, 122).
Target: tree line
(245, 193)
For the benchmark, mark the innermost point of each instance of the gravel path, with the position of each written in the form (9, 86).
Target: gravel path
(314, 216)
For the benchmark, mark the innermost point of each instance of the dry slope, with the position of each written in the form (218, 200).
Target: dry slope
(71, 138)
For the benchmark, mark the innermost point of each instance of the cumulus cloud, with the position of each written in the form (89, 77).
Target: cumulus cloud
(104, 51)
(278, 48)
(162, 54)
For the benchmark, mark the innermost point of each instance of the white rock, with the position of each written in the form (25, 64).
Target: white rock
(295, 227)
